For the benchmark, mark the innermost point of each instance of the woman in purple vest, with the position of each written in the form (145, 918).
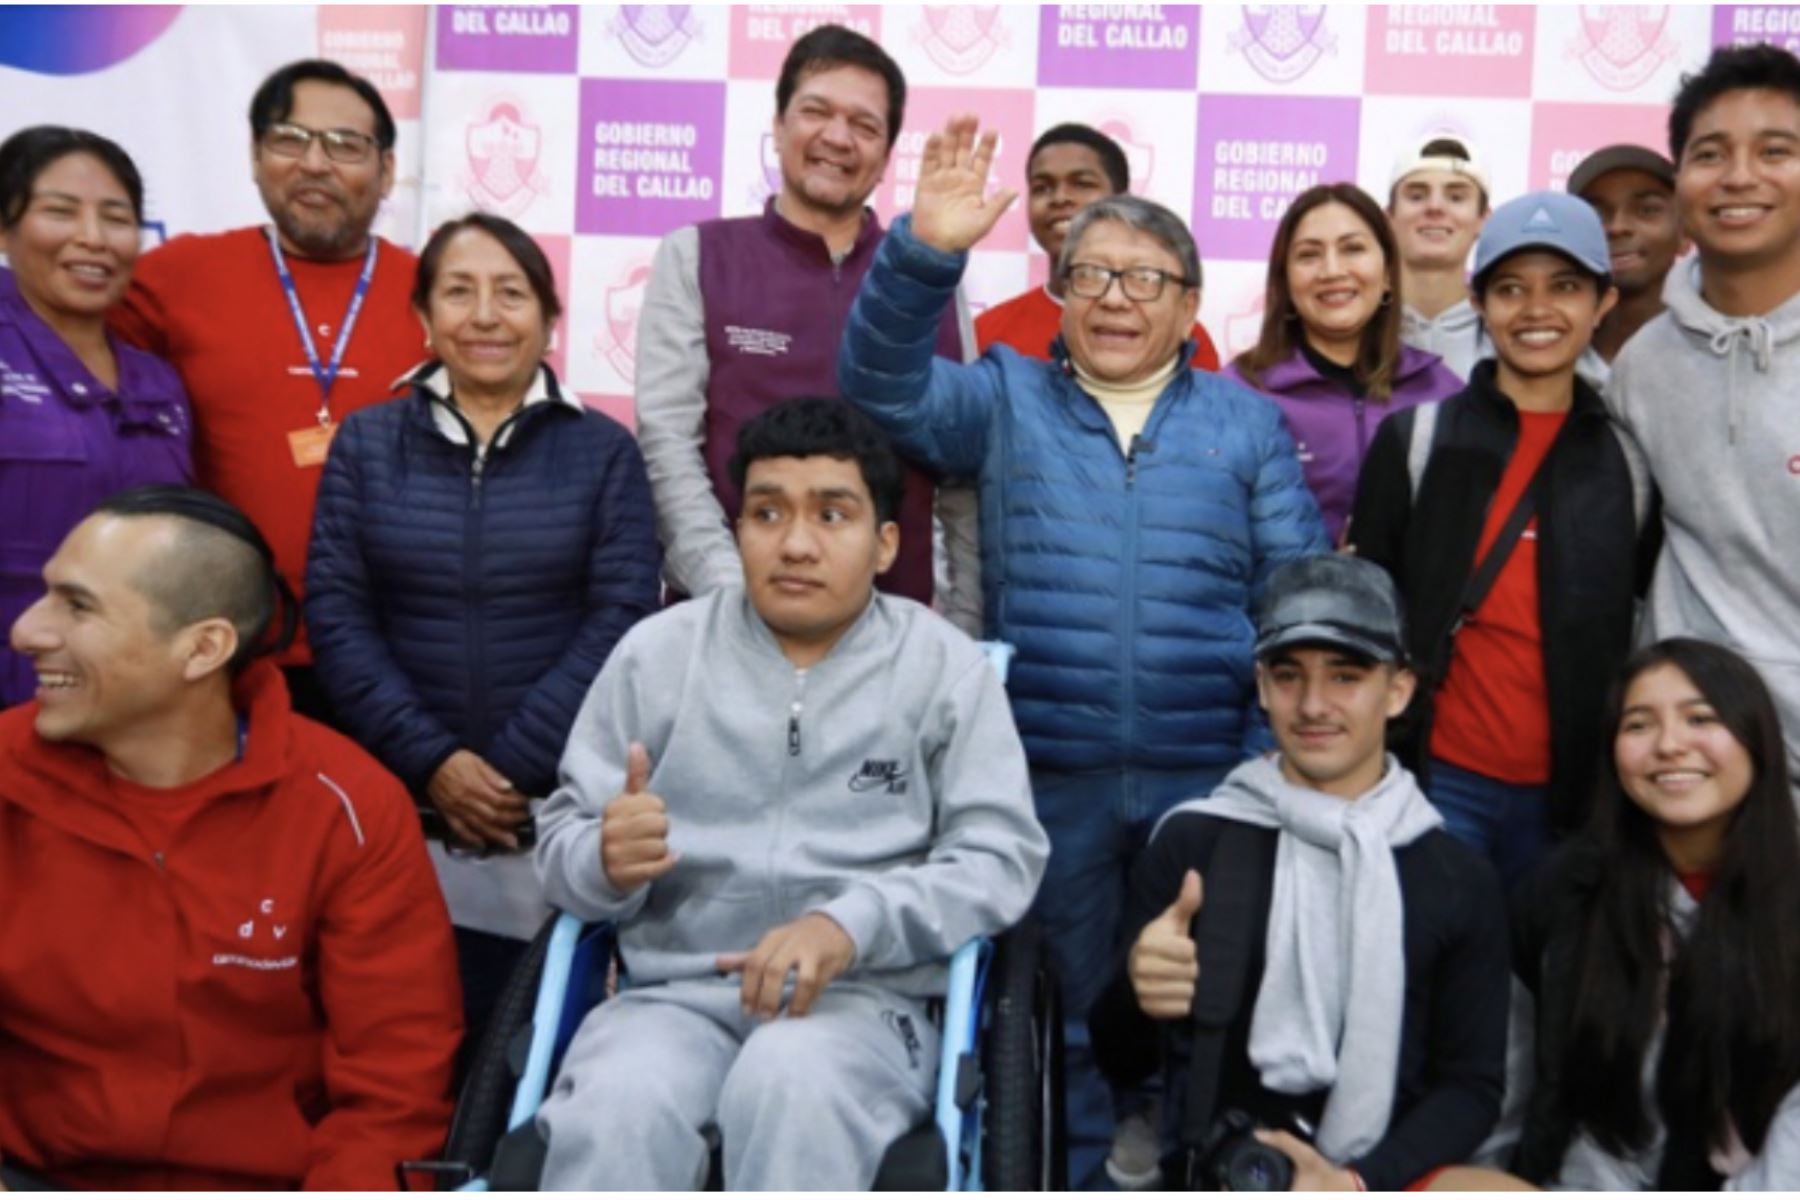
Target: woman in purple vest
(82, 415)
(1330, 344)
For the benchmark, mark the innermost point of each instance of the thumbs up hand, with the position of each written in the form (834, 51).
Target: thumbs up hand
(1164, 965)
(634, 829)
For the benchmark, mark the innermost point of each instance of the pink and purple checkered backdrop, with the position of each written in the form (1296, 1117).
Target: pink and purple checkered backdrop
(599, 128)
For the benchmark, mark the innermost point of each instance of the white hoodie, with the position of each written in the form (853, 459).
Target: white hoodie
(1712, 403)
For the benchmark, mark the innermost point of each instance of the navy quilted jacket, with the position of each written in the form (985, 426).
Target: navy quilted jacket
(1128, 583)
(450, 608)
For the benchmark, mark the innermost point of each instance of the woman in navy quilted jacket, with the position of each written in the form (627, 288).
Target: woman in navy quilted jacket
(479, 546)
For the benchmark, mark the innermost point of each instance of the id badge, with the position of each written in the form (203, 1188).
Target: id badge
(312, 444)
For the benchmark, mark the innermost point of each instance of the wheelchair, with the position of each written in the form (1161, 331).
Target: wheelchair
(997, 1123)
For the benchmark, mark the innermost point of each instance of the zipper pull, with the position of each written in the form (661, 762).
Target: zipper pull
(794, 730)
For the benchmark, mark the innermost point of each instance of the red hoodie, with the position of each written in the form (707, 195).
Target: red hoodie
(248, 982)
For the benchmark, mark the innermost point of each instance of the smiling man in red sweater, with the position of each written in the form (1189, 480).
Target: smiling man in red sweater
(281, 331)
(224, 960)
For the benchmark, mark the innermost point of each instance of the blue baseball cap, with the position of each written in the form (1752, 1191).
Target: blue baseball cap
(1553, 221)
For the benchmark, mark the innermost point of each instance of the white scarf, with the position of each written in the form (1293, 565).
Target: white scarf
(1329, 1010)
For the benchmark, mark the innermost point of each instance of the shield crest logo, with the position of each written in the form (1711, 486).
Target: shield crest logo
(654, 34)
(768, 179)
(617, 343)
(960, 37)
(1281, 42)
(1243, 327)
(1622, 47)
(503, 155)
(1140, 157)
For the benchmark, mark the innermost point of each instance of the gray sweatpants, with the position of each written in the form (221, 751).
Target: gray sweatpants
(798, 1103)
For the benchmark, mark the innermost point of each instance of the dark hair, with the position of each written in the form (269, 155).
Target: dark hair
(274, 100)
(221, 566)
(1108, 151)
(1378, 351)
(28, 153)
(1445, 147)
(830, 46)
(1730, 69)
(812, 426)
(521, 245)
(1732, 1041)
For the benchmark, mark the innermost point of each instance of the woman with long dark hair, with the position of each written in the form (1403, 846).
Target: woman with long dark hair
(1662, 949)
(1330, 352)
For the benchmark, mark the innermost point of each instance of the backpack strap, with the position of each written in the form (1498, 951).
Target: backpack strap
(1418, 449)
(1224, 939)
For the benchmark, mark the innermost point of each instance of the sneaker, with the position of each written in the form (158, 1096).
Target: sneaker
(1135, 1164)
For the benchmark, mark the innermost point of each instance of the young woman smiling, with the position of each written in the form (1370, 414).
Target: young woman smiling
(1660, 948)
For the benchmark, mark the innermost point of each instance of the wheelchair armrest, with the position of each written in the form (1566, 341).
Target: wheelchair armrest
(957, 1047)
(546, 1019)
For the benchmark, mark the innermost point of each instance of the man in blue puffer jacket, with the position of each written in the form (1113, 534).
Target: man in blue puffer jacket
(1131, 510)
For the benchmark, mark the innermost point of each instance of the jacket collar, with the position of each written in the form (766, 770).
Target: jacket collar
(750, 627)
(1085, 409)
(1484, 388)
(812, 244)
(77, 774)
(1295, 369)
(433, 407)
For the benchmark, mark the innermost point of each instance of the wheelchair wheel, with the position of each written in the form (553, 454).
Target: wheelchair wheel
(1022, 1063)
(484, 1104)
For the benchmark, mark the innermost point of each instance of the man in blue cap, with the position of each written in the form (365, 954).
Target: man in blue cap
(1510, 516)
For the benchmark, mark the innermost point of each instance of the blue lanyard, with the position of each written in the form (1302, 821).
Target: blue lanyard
(325, 373)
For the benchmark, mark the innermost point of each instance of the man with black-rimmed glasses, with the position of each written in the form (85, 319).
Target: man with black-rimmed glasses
(280, 331)
(1131, 510)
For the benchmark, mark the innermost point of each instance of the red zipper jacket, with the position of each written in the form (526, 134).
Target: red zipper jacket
(268, 1001)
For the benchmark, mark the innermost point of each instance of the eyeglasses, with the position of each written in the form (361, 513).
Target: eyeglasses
(287, 140)
(1090, 281)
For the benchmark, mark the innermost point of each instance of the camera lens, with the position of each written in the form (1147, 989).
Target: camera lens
(1257, 1168)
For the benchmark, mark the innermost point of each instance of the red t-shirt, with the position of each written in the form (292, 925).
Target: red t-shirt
(1493, 711)
(1030, 321)
(213, 306)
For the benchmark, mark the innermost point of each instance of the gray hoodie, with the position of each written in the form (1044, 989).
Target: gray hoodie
(1712, 403)
(1454, 335)
(885, 787)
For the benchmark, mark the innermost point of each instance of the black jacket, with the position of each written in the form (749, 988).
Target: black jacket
(1453, 1031)
(1589, 557)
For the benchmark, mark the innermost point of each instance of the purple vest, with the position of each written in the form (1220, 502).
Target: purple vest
(775, 307)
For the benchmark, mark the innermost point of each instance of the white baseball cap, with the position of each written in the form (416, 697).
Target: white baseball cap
(1431, 153)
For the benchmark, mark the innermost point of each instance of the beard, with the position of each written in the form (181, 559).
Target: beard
(328, 239)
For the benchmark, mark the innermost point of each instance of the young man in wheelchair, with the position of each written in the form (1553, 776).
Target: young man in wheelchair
(796, 799)
(1331, 965)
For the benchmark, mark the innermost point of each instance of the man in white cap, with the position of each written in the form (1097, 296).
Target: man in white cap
(1437, 202)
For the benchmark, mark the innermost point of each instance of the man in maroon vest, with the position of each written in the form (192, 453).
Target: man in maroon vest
(744, 312)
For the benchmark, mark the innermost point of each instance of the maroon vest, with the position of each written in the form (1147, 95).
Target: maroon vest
(775, 309)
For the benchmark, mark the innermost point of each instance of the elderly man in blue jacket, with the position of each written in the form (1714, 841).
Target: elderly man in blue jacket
(1131, 510)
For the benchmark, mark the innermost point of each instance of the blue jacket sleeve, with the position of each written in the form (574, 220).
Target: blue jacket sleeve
(938, 412)
(624, 569)
(1284, 517)
(374, 698)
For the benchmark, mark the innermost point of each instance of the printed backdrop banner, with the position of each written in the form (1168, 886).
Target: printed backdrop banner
(602, 127)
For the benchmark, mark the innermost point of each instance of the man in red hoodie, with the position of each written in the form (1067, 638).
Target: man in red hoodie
(224, 960)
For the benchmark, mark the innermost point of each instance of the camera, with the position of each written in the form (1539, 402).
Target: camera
(1232, 1160)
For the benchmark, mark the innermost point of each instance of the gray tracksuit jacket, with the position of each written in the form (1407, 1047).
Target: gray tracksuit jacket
(885, 787)
(1713, 404)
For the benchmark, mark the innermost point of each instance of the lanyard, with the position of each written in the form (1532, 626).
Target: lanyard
(325, 373)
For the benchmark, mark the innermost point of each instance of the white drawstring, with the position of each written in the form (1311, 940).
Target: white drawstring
(1760, 337)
